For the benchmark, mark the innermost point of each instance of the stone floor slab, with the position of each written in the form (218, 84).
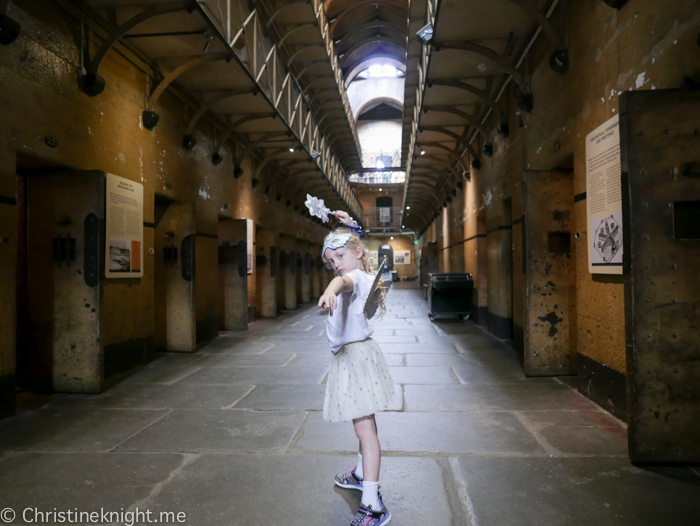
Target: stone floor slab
(423, 375)
(574, 418)
(257, 375)
(213, 495)
(394, 339)
(319, 347)
(71, 429)
(434, 360)
(595, 441)
(566, 491)
(221, 345)
(218, 431)
(494, 397)
(318, 359)
(160, 374)
(465, 433)
(268, 359)
(417, 348)
(470, 373)
(284, 398)
(180, 396)
(86, 481)
(175, 359)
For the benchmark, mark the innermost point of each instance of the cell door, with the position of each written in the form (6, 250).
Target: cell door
(64, 281)
(548, 204)
(660, 149)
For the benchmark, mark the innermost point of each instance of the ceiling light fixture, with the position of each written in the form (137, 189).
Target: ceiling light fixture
(425, 34)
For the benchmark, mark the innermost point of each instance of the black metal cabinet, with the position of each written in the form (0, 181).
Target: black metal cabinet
(451, 294)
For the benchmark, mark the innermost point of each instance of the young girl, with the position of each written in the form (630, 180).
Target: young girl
(359, 383)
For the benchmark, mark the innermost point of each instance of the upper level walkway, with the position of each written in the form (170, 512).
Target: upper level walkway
(233, 435)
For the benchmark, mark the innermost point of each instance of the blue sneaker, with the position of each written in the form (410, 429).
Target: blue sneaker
(349, 480)
(366, 516)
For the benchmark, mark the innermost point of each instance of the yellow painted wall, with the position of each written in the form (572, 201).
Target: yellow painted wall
(646, 45)
(40, 98)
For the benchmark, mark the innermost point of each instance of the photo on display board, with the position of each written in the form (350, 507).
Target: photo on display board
(119, 255)
(607, 241)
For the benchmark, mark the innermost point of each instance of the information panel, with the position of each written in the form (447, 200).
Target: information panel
(604, 198)
(402, 257)
(250, 241)
(123, 228)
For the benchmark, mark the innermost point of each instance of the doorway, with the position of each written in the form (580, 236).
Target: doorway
(58, 280)
(481, 289)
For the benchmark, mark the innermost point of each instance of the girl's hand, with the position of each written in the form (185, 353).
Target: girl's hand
(328, 301)
(343, 217)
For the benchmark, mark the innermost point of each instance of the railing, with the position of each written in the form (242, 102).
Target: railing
(381, 158)
(388, 218)
(431, 11)
(244, 34)
(378, 177)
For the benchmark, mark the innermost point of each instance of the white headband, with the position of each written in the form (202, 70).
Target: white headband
(335, 241)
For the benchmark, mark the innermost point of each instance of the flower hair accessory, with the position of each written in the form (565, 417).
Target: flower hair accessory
(317, 208)
(335, 241)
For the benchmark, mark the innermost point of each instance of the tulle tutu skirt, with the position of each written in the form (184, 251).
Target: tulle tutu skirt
(359, 383)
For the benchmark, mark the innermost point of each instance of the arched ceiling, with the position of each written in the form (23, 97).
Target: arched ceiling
(263, 72)
(272, 74)
(477, 49)
(366, 30)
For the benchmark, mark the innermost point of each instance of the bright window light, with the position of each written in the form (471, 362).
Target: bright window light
(380, 164)
(380, 71)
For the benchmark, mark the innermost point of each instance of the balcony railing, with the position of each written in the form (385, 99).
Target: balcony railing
(378, 177)
(382, 218)
(381, 158)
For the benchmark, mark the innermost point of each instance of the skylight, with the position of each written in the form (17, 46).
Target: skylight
(380, 71)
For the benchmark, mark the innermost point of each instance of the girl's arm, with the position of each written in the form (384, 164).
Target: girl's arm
(329, 299)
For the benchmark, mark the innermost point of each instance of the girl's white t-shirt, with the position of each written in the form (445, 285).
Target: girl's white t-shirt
(348, 323)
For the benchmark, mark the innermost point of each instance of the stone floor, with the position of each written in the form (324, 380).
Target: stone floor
(233, 435)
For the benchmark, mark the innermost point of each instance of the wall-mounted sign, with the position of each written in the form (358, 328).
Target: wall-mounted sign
(402, 257)
(250, 232)
(604, 198)
(123, 228)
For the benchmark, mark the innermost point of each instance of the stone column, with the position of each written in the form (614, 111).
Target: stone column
(304, 270)
(233, 281)
(174, 306)
(316, 269)
(499, 242)
(288, 270)
(266, 261)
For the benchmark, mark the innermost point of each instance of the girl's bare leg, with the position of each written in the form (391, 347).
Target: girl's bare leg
(366, 431)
